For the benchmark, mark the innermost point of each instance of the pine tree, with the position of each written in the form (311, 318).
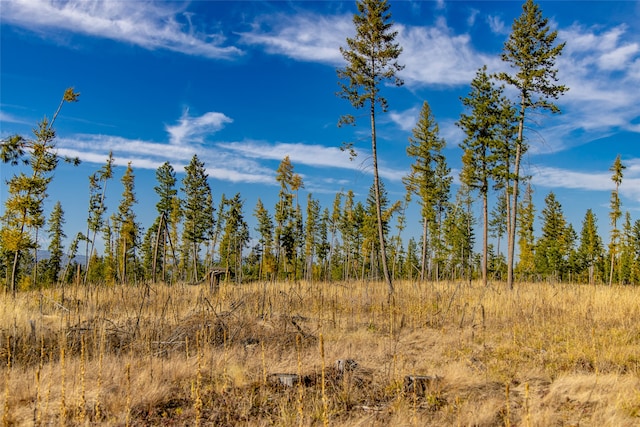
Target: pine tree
(590, 249)
(441, 205)
(322, 244)
(570, 252)
(615, 213)
(482, 128)
(129, 229)
(351, 226)
(531, 51)
(426, 146)
(498, 220)
(626, 251)
(56, 235)
(71, 254)
(288, 233)
(334, 227)
(235, 237)
(396, 244)
(551, 248)
(371, 243)
(24, 212)
(197, 210)
(265, 230)
(110, 259)
(97, 207)
(411, 260)
(311, 233)
(371, 58)
(526, 240)
(168, 207)
(219, 225)
(458, 236)
(148, 249)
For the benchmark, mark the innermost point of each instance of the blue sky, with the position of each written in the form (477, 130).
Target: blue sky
(243, 84)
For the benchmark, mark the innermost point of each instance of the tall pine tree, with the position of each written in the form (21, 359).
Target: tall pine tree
(56, 235)
(129, 228)
(615, 213)
(197, 210)
(24, 207)
(590, 249)
(531, 52)
(482, 128)
(371, 58)
(425, 146)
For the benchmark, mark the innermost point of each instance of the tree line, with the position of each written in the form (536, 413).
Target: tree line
(352, 240)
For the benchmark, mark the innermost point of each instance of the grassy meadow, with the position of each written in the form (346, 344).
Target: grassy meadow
(448, 353)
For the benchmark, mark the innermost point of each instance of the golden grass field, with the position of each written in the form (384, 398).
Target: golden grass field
(540, 355)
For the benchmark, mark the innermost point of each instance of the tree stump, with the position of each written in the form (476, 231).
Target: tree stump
(346, 365)
(287, 380)
(419, 384)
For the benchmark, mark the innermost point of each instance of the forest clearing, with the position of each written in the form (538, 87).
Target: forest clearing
(442, 294)
(321, 353)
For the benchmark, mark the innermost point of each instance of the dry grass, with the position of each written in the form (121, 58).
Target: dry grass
(541, 355)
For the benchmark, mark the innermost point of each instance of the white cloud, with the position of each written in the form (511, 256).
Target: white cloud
(238, 161)
(303, 37)
(312, 155)
(618, 59)
(431, 55)
(497, 25)
(150, 25)
(9, 118)
(551, 177)
(435, 56)
(222, 165)
(195, 129)
(563, 178)
(602, 71)
(471, 20)
(599, 66)
(406, 120)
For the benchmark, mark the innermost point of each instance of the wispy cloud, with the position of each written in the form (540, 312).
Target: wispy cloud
(195, 129)
(9, 118)
(438, 57)
(471, 20)
(497, 25)
(552, 177)
(247, 161)
(405, 120)
(306, 154)
(150, 25)
(431, 55)
(303, 37)
(313, 155)
(600, 67)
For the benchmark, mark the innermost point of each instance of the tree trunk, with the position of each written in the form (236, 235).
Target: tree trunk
(14, 272)
(124, 261)
(423, 259)
(155, 250)
(194, 278)
(514, 204)
(485, 236)
(376, 184)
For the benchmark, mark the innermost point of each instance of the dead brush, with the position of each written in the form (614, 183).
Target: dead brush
(197, 357)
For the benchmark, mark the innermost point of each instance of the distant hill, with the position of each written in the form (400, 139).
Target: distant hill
(80, 259)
